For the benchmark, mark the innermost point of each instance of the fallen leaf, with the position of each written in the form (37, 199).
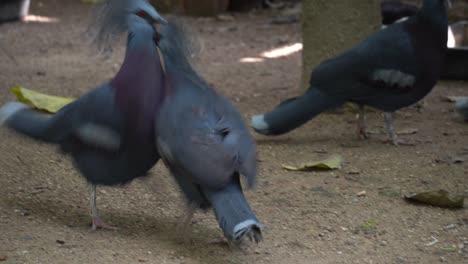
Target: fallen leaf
(449, 249)
(437, 198)
(333, 162)
(369, 227)
(41, 101)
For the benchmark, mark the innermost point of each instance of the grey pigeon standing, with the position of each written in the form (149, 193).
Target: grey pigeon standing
(393, 68)
(204, 141)
(109, 132)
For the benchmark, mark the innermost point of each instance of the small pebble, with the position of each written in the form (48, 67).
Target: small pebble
(362, 193)
(383, 243)
(225, 18)
(451, 226)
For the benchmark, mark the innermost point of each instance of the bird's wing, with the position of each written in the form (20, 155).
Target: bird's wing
(384, 63)
(93, 119)
(202, 155)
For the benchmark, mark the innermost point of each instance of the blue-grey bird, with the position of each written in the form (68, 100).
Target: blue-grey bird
(108, 132)
(204, 141)
(393, 68)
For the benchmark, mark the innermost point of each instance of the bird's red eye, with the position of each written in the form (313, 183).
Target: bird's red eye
(141, 13)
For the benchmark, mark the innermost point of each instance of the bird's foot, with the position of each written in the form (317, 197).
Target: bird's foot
(399, 141)
(361, 125)
(97, 223)
(184, 224)
(183, 235)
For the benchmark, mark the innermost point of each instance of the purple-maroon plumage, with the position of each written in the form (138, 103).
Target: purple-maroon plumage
(109, 132)
(139, 89)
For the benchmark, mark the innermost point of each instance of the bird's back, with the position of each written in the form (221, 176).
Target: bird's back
(206, 134)
(408, 50)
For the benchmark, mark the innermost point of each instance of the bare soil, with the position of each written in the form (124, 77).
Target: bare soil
(310, 217)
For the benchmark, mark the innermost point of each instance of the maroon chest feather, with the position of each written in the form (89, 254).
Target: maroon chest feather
(139, 90)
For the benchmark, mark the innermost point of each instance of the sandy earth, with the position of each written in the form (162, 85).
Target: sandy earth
(310, 217)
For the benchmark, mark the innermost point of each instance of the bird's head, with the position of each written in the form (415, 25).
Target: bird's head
(437, 4)
(146, 11)
(113, 17)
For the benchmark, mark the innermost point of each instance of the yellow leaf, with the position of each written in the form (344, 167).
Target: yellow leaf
(49, 103)
(438, 198)
(333, 162)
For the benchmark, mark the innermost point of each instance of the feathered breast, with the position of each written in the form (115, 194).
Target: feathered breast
(139, 87)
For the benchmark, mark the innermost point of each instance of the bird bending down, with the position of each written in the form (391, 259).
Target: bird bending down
(204, 141)
(108, 132)
(393, 68)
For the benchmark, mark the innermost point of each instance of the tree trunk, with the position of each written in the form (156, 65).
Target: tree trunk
(332, 26)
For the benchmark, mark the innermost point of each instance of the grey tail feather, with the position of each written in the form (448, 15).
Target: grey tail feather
(234, 215)
(294, 112)
(39, 126)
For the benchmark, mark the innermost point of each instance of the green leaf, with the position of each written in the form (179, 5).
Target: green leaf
(48, 103)
(449, 249)
(331, 163)
(438, 198)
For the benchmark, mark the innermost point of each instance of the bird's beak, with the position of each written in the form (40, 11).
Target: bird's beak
(159, 19)
(154, 14)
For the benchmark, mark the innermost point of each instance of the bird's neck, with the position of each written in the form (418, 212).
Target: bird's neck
(433, 13)
(139, 53)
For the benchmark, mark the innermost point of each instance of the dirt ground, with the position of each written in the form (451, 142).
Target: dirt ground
(310, 217)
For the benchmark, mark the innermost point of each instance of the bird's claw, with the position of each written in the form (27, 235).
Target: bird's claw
(97, 223)
(399, 141)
